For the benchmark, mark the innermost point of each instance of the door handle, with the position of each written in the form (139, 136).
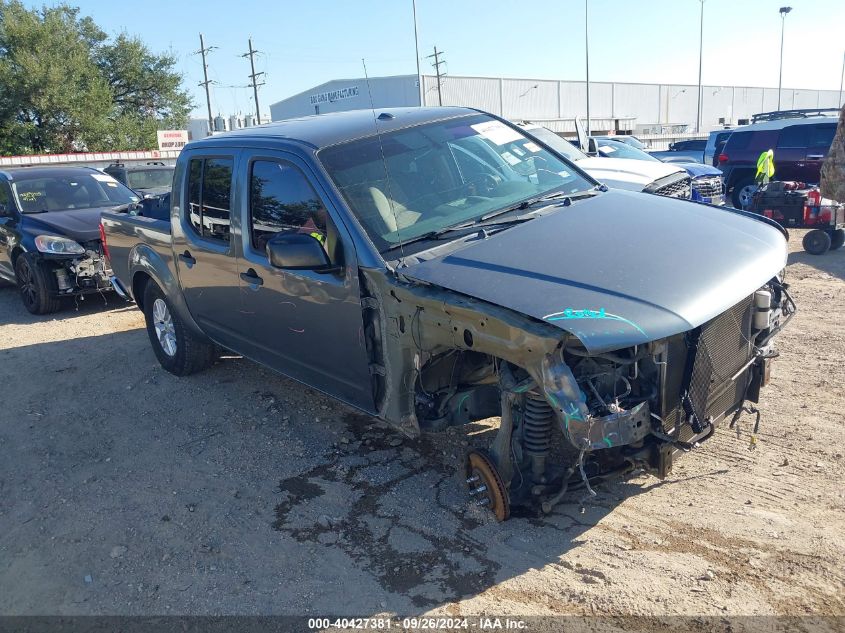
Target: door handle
(188, 259)
(252, 278)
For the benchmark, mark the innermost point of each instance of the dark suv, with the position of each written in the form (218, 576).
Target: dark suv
(800, 143)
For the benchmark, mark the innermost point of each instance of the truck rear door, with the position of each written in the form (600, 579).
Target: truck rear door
(306, 323)
(205, 246)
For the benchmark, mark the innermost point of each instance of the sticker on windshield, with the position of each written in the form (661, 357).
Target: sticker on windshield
(497, 132)
(103, 178)
(607, 149)
(513, 160)
(531, 146)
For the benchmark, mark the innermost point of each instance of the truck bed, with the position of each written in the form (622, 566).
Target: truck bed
(125, 232)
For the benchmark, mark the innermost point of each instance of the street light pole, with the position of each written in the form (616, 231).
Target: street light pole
(587, 48)
(700, 53)
(783, 11)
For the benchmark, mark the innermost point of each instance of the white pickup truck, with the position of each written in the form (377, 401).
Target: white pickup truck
(618, 173)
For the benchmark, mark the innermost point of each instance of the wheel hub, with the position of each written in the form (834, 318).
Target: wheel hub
(165, 330)
(486, 485)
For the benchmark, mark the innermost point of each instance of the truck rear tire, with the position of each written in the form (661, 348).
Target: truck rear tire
(837, 239)
(37, 285)
(177, 349)
(816, 242)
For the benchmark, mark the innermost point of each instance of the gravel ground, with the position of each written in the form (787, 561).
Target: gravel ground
(125, 490)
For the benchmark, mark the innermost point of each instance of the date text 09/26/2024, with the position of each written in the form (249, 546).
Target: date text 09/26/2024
(418, 623)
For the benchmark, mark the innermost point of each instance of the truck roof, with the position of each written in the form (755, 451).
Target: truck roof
(323, 130)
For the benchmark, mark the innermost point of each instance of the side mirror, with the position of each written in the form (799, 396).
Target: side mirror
(298, 251)
(592, 147)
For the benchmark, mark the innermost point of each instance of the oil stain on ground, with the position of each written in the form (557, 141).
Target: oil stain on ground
(379, 528)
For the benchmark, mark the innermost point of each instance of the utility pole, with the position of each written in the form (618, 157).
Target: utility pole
(254, 85)
(202, 51)
(417, 50)
(436, 64)
(587, 50)
(700, 55)
(783, 11)
(841, 79)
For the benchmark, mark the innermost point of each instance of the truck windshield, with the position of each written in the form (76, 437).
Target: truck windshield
(40, 194)
(149, 178)
(425, 178)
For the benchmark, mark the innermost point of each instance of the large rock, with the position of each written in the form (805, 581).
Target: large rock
(833, 169)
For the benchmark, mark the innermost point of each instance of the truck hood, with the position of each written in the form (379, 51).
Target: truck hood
(697, 170)
(80, 225)
(617, 269)
(155, 191)
(626, 173)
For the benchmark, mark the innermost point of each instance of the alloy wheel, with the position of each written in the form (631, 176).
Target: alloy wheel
(165, 330)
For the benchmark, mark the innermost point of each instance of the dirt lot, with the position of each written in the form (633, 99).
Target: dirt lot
(125, 490)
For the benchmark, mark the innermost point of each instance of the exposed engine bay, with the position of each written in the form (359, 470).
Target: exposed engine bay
(82, 274)
(569, 418)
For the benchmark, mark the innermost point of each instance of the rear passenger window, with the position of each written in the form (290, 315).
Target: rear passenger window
(282, 200)
(739, 140)
(794, 136)
(821, 135)
(209, 197)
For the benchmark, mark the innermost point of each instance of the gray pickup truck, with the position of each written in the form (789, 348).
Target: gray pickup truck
(435, 266)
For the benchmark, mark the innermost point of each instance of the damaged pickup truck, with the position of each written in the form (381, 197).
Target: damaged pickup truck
(434, 267)
(50, 242)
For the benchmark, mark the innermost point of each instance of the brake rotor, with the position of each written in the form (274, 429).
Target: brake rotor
(486, 483)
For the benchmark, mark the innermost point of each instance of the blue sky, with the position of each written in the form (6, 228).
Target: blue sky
(305, 43)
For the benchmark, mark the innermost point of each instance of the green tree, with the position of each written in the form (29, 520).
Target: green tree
(65, 87)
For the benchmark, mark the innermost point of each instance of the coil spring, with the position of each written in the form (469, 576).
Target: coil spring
(537, 423)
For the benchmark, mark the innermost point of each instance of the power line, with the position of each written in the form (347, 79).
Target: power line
(202, 51)
(254, 84)
(436, 64)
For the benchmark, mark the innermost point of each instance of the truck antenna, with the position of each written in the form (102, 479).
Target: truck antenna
(384, 163)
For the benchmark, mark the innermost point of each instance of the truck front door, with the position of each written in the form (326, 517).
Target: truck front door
(304, 323)
(204, 243)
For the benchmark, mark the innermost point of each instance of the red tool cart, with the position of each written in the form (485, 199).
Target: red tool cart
(793, 204)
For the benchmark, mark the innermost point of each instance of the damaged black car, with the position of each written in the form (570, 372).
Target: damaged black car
(50, 244)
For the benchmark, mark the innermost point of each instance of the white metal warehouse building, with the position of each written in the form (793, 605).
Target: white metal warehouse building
(634, 107)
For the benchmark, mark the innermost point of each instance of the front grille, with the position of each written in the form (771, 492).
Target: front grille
(716, 351)
(708, 186)
(680, 188)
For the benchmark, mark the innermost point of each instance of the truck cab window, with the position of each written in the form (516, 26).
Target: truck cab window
(283, 201)
(209, 197)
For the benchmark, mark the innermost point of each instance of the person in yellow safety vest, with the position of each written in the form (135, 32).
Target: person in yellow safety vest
(765, 167)
(319, 237)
